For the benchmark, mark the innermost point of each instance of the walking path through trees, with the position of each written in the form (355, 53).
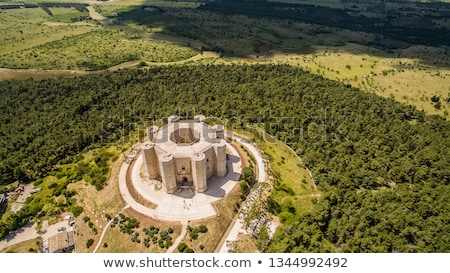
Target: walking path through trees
(261, 176)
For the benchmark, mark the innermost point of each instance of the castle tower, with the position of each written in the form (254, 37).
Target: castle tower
(199, 172)
(199, 118)
(150, 160)
(166, 165)
(151, 132)
(173, 119)
(219, 129)
(221, 158)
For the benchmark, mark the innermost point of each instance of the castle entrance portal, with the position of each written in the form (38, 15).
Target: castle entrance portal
(185, 184)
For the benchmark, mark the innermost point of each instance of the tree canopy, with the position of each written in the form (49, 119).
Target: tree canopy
(384, 167)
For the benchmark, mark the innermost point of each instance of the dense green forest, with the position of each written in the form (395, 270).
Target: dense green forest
(384, 167)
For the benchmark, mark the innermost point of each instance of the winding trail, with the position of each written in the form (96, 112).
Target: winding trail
(9, 74)
(106, 228)
(239, 222)
(98, 17)
(179, 238)
(198, 57)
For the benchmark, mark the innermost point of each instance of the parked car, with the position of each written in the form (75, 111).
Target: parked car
(60, 229)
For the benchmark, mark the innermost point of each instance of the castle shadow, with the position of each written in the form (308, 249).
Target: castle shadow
(216, 184)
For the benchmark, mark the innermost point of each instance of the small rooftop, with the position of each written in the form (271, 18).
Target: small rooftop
(62, 242)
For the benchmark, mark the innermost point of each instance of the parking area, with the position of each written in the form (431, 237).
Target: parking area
(29, 232)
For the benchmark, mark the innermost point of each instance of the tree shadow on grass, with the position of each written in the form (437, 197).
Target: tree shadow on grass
(250, 29)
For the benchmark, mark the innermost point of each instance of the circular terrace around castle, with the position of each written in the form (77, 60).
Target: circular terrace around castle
(146, 193)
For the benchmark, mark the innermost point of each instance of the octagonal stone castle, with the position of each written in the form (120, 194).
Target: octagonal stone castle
(184, 154)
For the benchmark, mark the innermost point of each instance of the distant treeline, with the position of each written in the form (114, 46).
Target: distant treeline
(45, 6)
(78, 6)
(422, 32)
(18, 6)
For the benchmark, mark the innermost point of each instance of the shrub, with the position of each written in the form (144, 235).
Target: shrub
(193, 235)
(77, 210)
(89, 243)
(435, 98)
(163, 234)
(188, 250)
(202, 229)
(133, 223)
(38, 182)
(168, 244)
(248, 175)
(181, 247)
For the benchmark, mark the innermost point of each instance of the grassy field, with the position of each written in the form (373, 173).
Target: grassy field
(30, 246)
(400, 75)
(119, 242)
(113, 7)
(292, 174)
(324, 3)
(23, 29)
(98, 49)
(67, 15)
(33, 39)
(412, 74)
